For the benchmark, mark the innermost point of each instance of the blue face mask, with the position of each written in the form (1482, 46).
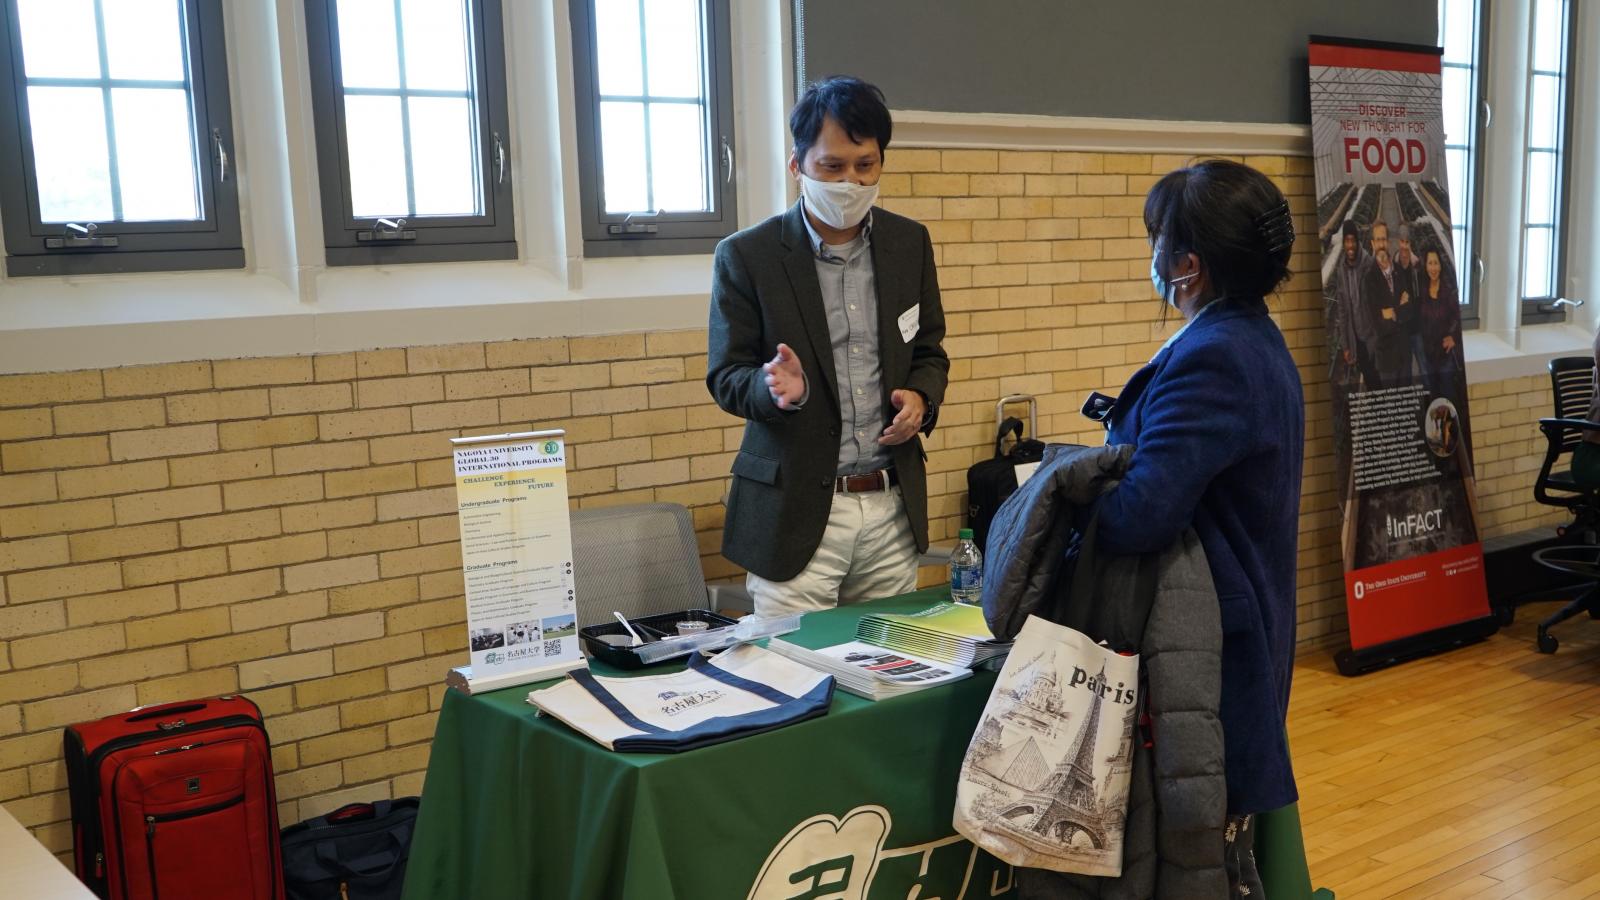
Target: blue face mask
(1167, 289)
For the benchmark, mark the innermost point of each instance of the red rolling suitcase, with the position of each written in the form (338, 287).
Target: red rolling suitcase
(175, 802)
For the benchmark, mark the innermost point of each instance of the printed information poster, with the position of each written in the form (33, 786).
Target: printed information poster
(1413, 560)
(516, 554)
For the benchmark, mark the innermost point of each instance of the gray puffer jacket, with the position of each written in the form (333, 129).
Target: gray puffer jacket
(1172, 844)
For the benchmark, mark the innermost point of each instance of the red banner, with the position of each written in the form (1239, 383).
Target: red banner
(1400, 599)
(1409, 525)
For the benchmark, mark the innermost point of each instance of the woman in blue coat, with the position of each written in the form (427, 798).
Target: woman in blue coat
(1217, 424)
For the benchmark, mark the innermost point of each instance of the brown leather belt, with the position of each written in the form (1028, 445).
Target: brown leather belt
(880, 480)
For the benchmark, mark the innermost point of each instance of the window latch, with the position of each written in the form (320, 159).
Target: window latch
(222, 155)
(629, 226)
(76, 236)
(388, 230)
(1556, 305)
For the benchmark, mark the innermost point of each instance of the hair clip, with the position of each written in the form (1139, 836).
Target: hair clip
(1276, 227)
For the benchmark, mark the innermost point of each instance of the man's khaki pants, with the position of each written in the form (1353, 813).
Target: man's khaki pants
(867, 552)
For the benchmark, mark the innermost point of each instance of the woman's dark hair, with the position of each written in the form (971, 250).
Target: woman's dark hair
(856, 105)
(1232, 217)
(1447, 272)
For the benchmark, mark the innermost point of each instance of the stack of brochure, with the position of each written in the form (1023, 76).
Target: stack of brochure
(869, 671)
(951, 633)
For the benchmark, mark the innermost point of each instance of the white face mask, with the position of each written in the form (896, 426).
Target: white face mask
(838, 204)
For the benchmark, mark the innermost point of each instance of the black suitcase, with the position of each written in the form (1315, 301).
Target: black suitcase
(356, 852)
(991, 481)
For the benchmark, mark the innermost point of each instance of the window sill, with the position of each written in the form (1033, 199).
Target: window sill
(56, 324)
(123, 262)
(1490, 357)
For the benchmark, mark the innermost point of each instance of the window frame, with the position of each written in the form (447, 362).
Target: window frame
(674, 233)
(1467, 272)
(1540, 310)
(213, 242)
(489, 236)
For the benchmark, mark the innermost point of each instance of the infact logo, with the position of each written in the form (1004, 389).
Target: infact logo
(1416, 524)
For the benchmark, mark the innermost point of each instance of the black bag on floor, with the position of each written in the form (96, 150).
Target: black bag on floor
(991, 481)
(356, 852)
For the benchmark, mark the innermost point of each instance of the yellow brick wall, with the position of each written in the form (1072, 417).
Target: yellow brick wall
(284, 527)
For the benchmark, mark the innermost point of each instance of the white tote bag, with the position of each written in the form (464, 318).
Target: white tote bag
(742, 691)
(1045, 781)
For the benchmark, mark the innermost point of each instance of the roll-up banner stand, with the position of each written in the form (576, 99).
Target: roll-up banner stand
(516, 560)
(1413, 561)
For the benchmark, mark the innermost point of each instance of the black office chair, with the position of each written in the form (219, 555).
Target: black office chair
(1572, 382)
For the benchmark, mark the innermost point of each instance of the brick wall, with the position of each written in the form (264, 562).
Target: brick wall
(284, 527)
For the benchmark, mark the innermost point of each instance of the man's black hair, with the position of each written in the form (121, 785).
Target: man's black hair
(857, 106)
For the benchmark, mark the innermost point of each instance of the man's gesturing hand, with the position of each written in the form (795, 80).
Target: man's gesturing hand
(785, 379)
(911, 408)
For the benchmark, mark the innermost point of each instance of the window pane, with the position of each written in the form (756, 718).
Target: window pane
(673, 47)
(1544, 112)
(678, 156)
(1456, 24)
(69, 151)
(1547, 35)
(377, 157)
(1457, 102)
(622, 153)
(155, 154)
(436, 44)
(1541, 188)
(144, 39)
(1464, 271)
(443, 156)
(1455, 162)
(58, 38)
(617, 56)
(1536, 264)
(367, 44)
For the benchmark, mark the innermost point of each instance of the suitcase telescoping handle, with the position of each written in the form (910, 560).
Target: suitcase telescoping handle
(1033, 412)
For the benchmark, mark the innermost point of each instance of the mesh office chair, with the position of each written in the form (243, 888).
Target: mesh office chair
(641, 560)
(1572, 382)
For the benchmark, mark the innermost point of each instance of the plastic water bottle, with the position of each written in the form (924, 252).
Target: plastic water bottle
(966, 570)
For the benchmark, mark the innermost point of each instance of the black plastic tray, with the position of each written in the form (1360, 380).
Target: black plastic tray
(650, 628)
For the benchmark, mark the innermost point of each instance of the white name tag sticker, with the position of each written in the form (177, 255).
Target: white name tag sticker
(1025, 471)
(910, 323)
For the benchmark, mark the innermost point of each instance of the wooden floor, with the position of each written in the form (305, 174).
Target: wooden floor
(1471, 774)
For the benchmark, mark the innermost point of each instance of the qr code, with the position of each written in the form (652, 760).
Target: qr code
(552, 648)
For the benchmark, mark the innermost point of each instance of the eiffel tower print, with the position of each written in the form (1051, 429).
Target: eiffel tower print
(1067, 803)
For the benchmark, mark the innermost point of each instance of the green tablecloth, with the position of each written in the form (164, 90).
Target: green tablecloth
(519, 807)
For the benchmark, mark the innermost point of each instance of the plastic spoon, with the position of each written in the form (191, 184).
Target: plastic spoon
(637, 641)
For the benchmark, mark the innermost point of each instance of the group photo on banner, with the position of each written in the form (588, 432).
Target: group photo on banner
(1409, 528)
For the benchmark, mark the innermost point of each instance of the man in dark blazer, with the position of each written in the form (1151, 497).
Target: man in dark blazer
(826, 334)
(1387, 302)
